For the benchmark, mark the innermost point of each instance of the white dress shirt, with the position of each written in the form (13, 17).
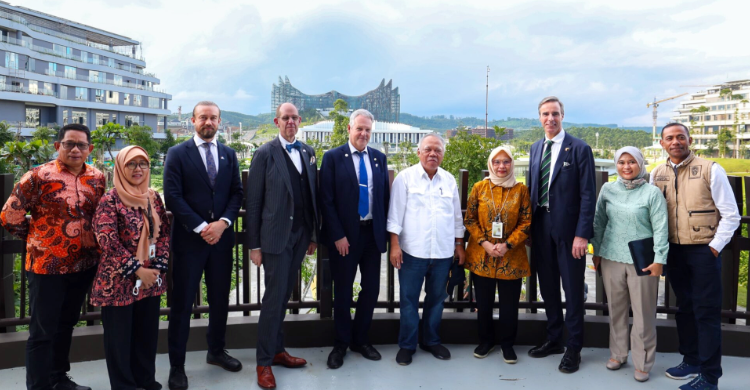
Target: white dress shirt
(723, 197)
(425, 214)
(557, 144)
(368, 167)
(294, 154)
(215, 153)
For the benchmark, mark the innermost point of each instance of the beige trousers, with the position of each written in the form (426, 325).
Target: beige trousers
(624, 289)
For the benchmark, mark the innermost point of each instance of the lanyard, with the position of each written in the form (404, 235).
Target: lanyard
(492, 197)
(150, 221)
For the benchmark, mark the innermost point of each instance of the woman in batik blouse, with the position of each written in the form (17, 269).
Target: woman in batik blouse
(498, 216)
(132, 229)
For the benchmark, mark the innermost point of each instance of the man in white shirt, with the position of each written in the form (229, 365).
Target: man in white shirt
(426, 226)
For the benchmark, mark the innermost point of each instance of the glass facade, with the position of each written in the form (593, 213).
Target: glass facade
(11, 60)
(33, 87)
(126, 99)
(132, 120)
(70, 72)
(101, 119)
(113, 97)
(99, 96)
(63, 91)
(79, 117)
(82, 93)
(33, 117)
(153, 102)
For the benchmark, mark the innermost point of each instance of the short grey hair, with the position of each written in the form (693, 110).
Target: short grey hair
(551, 99)
(361, 112)
(436, 135)
(207, 103)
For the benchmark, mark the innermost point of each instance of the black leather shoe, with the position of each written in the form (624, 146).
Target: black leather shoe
(65, 382)
(570, 362)
(509, 355)
(153, 386)
(367, 350)
(403, 357)
(177, 378)
(546, 349)
(483, 350)
(438, 351)
(336, 357)
(224, 361)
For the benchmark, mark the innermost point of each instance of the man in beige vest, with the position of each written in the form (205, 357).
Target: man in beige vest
(703, 216)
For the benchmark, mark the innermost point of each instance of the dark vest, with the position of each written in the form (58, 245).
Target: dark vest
(300, 194)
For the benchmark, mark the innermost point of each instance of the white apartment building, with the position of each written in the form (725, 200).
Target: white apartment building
(54, 71)
(382, 132)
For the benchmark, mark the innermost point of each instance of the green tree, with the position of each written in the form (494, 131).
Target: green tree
(340, 133)
(470, 152)
(168, 142)
(143, 137)
(5, 133)
(24, 154)
(44, 134)
(405, 157)
(724, 138)
(499, 131)
(104, 138)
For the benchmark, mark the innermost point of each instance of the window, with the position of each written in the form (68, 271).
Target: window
(84, 56)
(11, 60)
(32, 117)
(113, 97)
(49, 89)
(27, 42)
(99, 96)
(70, 72)
(33, 87)
(132, 120)
(111, 62)
(60, 49)
(64, 92)
(2, 83)
(102, 78)
(126, 99)
(30, 64)
(79, 117)
(153, 102)
(118, 79)
(95, 59)
(66, 117)
(137, 101)
(101, 119)
(52, 69)
(82, 94)
(93, 76)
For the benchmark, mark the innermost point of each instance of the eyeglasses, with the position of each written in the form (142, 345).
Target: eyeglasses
(501, 162)
(69, 145)
(286, 118)
(142, 164)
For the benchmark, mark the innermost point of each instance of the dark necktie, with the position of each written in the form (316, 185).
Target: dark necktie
(545, 170)
(364, 195)
(210, 164)
(295, 145)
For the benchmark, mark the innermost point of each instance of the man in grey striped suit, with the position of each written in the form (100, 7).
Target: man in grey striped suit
(282, 226)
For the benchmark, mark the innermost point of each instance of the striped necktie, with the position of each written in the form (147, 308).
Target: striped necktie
(363, 207)
(545, 170)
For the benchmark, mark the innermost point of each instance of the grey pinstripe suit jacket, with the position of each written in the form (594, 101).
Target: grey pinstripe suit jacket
(270, 205)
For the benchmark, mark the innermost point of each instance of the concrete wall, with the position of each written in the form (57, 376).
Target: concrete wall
(12, 112)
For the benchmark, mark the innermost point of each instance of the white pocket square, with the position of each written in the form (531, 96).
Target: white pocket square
(565, 164)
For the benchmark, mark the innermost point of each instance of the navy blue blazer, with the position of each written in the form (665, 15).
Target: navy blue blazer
(572, 192)
(192, 200)
(339, 196)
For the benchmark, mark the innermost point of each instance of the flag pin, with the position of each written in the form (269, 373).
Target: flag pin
(566, 149)
(346, 155)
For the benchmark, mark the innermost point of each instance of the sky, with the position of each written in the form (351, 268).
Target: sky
(604, 59)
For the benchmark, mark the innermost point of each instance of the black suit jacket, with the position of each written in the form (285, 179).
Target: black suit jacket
(192, 200)
(339, 196)
(572, 192)
(270, 202)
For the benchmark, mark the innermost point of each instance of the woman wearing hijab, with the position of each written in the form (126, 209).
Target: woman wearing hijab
(133, 233)
(498, 216)
(627, 210)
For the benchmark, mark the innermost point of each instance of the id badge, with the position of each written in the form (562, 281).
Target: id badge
(497, 230)
(151, 251)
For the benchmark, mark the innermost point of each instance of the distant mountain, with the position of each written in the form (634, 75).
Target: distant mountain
(446, 122)
(248, 121)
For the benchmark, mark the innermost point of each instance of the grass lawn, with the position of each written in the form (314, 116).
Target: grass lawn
(733, 166)
(742, 296)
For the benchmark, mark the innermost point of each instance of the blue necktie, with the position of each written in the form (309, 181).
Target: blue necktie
(295, 145)
(364, 194)
(210, 164)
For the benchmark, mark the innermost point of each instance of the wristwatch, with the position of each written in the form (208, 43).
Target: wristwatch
(458, 243)
(509, 245)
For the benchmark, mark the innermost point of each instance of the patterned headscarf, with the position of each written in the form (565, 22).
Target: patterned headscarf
(507, 181)
(638, 156)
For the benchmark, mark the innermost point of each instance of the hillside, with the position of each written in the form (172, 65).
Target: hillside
(248, 121)
(609, 138)
(446, 122)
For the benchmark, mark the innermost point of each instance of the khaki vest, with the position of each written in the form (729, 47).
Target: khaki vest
(693, 217)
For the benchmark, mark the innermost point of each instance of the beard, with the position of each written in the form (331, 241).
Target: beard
(207, 132)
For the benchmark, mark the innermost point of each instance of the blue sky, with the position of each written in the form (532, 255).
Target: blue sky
(604, 59)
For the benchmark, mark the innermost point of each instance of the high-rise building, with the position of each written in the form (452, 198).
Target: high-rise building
(55, 71)
(384, 102)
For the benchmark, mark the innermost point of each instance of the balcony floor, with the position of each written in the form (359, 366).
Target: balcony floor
(426, 372)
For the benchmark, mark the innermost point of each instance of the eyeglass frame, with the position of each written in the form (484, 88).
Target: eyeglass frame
(82, 146)
(139, 165)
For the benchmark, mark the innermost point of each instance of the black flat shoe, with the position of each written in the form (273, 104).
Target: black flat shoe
(404, 356)
(483, 350)
(438, 351)
(546, 349)
(65, 382)
(570, 362)
(224, 361)
(509, 355)
(336, 357)
(367, 350)
(177, 378)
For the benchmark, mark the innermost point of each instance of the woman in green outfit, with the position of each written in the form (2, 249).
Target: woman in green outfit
(630, 209)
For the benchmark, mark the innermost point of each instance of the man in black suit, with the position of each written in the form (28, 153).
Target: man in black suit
(354, 193)
(203, 190)
(563, 200)
(282, 227)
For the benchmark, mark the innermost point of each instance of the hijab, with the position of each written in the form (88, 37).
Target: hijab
(140, 197)
(638, 156)
(508, 181)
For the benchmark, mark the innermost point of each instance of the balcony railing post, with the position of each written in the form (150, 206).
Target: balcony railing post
(7, 298)
(324, 283)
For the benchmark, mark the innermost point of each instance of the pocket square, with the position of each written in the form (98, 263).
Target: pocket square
(312, 160)
(565, 164)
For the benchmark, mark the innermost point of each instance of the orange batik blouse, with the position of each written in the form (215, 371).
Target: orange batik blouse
(59, 238)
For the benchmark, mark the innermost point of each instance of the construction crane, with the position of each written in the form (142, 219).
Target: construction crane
(655, 104)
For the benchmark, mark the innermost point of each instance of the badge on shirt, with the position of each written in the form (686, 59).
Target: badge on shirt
(497, 230)
(152, 251)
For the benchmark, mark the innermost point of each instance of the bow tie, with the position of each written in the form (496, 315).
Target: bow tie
(295, 145)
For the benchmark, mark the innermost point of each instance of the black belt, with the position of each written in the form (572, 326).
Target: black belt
(365, 222)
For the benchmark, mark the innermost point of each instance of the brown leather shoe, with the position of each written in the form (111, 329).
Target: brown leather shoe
(288, 361)
(266, 379)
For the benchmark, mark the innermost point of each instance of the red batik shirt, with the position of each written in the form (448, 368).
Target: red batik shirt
(59, 238)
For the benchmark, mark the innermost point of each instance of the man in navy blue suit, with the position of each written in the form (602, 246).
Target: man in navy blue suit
(203, 190)
(563, 200)
(354, 193)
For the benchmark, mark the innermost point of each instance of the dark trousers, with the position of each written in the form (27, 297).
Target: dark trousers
(553, 259)
(280, 277)
(130, 336)
(509, 292)
(55, 302)
(695, 275)
(186, 276)
(366, 256)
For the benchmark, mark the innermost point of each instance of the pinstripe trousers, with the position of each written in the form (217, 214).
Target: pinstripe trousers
(280, 276)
